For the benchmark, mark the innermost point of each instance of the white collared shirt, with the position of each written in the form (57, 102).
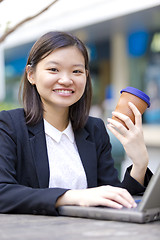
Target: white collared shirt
(66, 169)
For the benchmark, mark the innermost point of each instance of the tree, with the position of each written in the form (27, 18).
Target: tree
(12, 29)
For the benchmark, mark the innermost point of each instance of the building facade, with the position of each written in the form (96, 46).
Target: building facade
(123, 41)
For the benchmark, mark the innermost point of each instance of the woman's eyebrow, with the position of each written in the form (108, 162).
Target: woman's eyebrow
(57, 63)
(78, 65)
(52, 62)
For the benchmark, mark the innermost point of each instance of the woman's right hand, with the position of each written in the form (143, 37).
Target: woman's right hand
(108, 196)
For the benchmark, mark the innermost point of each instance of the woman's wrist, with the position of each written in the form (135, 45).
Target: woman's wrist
(70, 197)
(138, 173)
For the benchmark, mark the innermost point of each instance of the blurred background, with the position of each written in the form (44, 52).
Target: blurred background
(123, 41)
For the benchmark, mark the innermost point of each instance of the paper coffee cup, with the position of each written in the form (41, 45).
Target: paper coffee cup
(137, 97)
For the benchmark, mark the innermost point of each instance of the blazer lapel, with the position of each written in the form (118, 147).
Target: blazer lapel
(86, 148)
(87, 152)
(39, 152)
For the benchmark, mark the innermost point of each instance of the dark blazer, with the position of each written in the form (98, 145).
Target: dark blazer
(24, 169)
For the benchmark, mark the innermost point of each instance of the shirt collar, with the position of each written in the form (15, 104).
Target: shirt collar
(55, 134)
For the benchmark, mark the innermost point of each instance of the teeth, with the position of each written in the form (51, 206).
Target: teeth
(63, 91)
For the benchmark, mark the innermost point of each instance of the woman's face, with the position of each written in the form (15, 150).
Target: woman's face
(60, 78)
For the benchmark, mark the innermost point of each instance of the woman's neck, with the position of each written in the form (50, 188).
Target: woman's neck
(58, 118)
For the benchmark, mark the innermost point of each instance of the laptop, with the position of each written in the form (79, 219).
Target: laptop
(147, 210)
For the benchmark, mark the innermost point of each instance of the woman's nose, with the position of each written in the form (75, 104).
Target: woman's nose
(65, 80)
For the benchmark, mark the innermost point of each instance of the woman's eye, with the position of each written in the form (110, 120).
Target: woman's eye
(53, 69)
(77, 71)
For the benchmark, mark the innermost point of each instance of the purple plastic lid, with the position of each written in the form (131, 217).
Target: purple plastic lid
(137, 93)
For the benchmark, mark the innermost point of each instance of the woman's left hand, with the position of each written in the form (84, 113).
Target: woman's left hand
(132, 140)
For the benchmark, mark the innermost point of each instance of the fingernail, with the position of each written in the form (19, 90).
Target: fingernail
(129, 206)
(120, 206)
(134, 205)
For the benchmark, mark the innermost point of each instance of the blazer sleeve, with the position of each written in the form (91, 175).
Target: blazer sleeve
(107, 174)
(16, 197)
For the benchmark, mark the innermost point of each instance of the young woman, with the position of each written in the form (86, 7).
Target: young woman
(51, 152)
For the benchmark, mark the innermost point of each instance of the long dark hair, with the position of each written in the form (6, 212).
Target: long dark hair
(33, 107)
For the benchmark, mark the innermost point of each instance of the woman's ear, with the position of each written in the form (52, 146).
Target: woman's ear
(30, 74)
(87, 72)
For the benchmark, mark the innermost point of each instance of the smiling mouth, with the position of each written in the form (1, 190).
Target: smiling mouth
(62, 91)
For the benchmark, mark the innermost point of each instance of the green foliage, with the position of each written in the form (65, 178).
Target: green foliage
(8, 106)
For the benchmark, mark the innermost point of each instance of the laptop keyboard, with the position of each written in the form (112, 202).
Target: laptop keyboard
(133, 209)
(124, 208)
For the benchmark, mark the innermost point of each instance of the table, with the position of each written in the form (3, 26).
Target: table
(34, 227)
